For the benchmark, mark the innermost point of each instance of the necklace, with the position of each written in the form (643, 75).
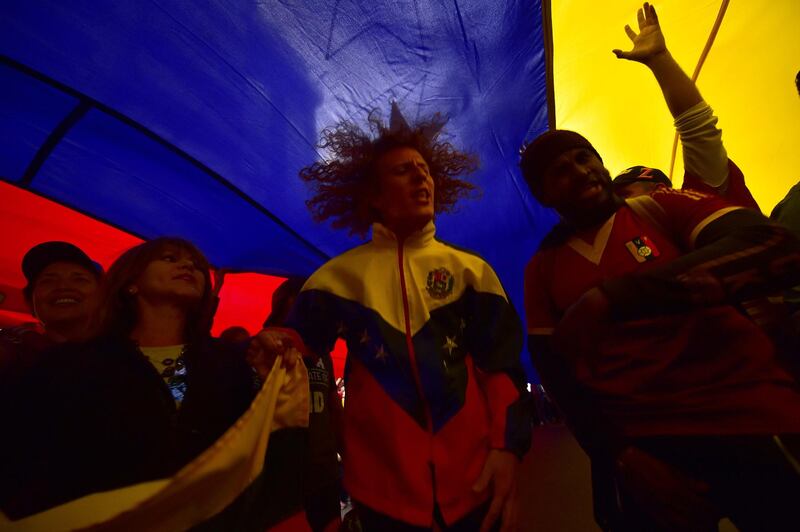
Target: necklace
(172, 371)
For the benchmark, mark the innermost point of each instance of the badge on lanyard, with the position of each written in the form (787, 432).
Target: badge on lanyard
(642, 248)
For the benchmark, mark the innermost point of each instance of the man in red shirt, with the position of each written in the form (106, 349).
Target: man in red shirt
(631, 327)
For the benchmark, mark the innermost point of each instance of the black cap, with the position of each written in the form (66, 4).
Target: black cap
(540, 153)
(641, 173)
(43, 255)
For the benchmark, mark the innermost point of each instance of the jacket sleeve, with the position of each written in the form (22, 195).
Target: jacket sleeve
(707, 167)
(494, 338)
(704, 155)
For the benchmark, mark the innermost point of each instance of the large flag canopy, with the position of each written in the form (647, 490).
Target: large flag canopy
(193, 118)
(745, 57)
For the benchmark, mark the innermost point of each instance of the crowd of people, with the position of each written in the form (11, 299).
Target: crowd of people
(663, 323)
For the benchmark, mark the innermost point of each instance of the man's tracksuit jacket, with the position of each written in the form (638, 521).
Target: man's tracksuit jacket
(433, 376)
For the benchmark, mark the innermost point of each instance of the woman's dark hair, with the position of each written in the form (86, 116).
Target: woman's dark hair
(117, 314)
(343, 184)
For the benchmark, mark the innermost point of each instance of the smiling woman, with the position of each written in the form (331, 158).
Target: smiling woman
(160, 290)
(148, 394)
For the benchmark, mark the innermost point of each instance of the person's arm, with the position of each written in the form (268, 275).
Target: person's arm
(732, 255)
(650, 49)
(666, 495)
(336, 409)
(493, 336)
(310, 328)
(704, 155)
(787, 211)
(738, 256)
(597, 435)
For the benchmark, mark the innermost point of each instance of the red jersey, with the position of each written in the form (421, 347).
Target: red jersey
(736, 192)
(769, 312)
(709, 371)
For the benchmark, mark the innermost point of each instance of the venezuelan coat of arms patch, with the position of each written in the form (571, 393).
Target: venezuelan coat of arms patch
(440, 283)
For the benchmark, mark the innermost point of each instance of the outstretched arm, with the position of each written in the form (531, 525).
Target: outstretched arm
(704, 156)
(738, 256)
(650, 49)
(492, 334)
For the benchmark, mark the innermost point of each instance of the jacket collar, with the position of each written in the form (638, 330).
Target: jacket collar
(383, 236)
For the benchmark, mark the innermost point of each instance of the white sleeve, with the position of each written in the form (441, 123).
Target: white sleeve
(703, 153)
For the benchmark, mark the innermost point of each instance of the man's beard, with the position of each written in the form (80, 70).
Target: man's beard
(584, 217)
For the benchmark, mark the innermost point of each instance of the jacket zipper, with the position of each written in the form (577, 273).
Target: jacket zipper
(409, 342)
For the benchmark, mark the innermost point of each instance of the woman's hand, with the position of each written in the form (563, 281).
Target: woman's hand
(268, 345)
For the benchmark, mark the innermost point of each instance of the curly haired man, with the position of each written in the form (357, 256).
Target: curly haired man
(436, 417)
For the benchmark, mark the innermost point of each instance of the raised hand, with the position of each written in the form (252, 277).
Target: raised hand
(649, 42)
